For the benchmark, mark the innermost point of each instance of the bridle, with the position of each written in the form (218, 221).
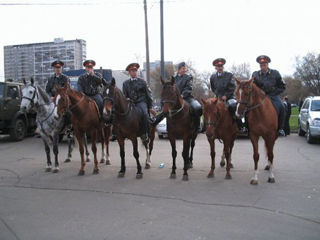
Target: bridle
(32, 98)
(216, 123)
(248, 108)
(112, 100)
(69, 103)
(174, 112)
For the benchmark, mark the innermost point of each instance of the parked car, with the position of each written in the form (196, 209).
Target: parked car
(162, 129)
(309, 119)
(12, 121)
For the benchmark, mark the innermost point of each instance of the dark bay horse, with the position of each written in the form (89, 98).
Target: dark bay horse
(126, 123)
(262, 121)
(34, 97)
(179, 124)
(219, 125)
(85, 120)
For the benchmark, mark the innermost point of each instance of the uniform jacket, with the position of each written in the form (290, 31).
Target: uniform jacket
(185, 86)
(223, 85)
(53, 80)
(138, 91)
(90, 85)
(270, 82)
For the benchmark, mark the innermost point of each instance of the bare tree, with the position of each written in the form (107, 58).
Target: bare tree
(155, 78)
(241, 71)
(295, 90)
(308, 70)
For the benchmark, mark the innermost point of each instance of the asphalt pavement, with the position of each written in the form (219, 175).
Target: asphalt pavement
(35, 204)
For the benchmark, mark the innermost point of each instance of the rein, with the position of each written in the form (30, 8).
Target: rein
(249, 99)
(216, 123)
(174, 112)
(129, 106)
(72, 107)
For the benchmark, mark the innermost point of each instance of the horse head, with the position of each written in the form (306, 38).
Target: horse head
(29, 96)
(243, 95)
(212, 115)
(169, 95)
(61, 100)
(109, 98)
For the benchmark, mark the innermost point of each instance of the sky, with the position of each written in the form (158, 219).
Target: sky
(196, 30)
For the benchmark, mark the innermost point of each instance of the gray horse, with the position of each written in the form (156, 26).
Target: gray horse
(34, 97)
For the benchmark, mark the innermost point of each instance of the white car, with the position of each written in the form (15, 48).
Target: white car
(309, 119)
(162, 129)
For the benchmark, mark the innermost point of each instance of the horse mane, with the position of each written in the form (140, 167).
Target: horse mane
(43, 94)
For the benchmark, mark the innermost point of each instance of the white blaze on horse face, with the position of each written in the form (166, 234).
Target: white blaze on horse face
(107, 91)
(56, 107)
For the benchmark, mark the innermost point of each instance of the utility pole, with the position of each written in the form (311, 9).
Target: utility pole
(162, 44)
(147, 43)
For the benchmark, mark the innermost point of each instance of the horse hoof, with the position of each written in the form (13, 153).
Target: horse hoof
(228, 177)
(185, 178)
(231, 165)
(56, 170)
(96, 171)
(267, 168)
(210, 175)
(67, 160)
(120, 175)
(173, 176)
(254, 182)
(88, 160)
(147, 166)
(108, 162)
(222, 164)
(271, 180)
(81, 173)
(139, 176)
(102, 160)
(48, 169)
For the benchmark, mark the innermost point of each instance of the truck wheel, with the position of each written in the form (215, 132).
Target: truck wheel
(19, 131)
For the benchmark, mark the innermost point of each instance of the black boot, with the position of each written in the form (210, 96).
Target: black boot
(70, 131)
(158, 119)
(281, 133)
(145, 137)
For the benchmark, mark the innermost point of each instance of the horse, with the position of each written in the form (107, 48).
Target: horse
(85, 120)
(262, 121)
(219, 125)
(179, 124)
(127, 124)
(34, 97)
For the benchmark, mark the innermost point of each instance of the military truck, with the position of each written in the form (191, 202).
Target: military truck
(12, 121)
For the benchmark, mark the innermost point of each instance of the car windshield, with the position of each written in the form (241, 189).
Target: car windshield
(315, 106)
(1, 90)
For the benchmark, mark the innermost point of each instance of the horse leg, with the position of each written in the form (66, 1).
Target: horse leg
(190, 165)
(148, 163)
(185, 155)
(150, 148)
(269, 143)
(134, 141)
(107, 140)
(81, 140)
(86, 146)
(94, 150)
(222, 162)
(122, 155)
(226, 150)
(213, 155)
(174, 155)
(254, 141)
(47, 150)
(231, 147)
(69, 151)
(56, 152)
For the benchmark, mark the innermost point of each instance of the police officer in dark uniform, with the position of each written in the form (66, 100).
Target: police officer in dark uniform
(58, 78)
(223, 85)
(138, 91)
(90, 82)
(184, 82)
(270, 81)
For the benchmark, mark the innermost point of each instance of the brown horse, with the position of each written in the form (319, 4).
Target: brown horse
(219, 125)
(262, 121)
(85, 120)
(127, 124)
(179, 124)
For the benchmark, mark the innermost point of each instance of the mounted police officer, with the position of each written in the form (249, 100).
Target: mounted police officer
(90, 82)
(58, 78)
(223, 86)
(138, 91)
(270, 81)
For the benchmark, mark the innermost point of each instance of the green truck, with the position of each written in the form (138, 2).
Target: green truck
(12, 121)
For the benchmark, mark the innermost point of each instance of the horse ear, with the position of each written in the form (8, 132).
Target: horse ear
(215, 100)
(173, 80)
(237, 80)
(24, 81)
(203, 101)
(57, 87)
(161, 81)
(32, 81)
(113, 82)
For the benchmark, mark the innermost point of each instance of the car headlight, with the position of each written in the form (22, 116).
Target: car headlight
(316, 122)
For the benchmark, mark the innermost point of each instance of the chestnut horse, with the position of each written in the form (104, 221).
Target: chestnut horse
(127, 124)
(262, 121)
(179, 124)
(219, 125)
(85, 120)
